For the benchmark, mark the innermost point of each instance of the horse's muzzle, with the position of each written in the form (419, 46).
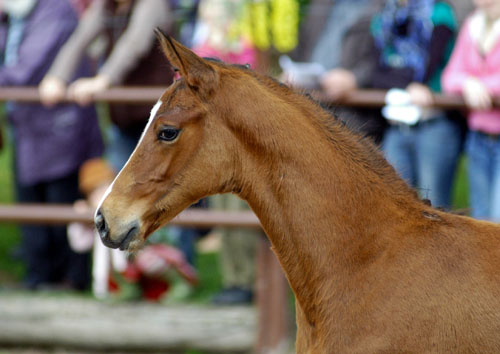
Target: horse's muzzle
(122, 241)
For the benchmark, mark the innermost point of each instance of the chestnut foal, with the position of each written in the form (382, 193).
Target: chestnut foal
(373, 268)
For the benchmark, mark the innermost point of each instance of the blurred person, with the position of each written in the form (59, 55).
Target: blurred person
(132, 58)
(218, 35)
(355, 71)
(50, 144)
(337, 18)
(474, 72)
(463, 8)
(237, 256)
(80, 5)
(414, 39)
(335, 38)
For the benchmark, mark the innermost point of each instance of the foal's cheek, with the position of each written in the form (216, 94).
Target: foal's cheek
(150, 165)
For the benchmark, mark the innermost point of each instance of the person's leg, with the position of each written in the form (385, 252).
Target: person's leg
(244, 246)
(438, 150)
(219, 202)
(67, 265)
(226, 256)
(237, 267)
(35, 241)
(187, 241)
(398, 147)
(495, 182)
(237, 257)
(185, 237)
(479, 173)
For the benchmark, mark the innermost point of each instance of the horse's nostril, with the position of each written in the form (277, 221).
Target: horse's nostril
(100, 224)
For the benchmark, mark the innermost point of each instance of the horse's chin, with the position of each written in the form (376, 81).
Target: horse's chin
(133, 241)
(139, 239)
(135, 245)
(136, 242)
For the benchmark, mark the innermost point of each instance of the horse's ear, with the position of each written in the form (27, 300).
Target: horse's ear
(197, 72)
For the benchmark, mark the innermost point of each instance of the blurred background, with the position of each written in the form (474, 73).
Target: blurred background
(78, 79)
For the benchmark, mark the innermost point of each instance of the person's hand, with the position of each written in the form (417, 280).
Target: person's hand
(285, 78)
(83, 90)
(338, 82)
(420, 94)
(81, 206)
(52, 90)
(476, 94)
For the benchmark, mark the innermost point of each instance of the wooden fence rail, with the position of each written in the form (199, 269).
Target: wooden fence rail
(64, 214)
(146, 95)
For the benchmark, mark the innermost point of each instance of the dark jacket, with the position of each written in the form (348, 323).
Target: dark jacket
(49, 142)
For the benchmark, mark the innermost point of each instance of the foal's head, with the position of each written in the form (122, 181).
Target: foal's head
(182, 153)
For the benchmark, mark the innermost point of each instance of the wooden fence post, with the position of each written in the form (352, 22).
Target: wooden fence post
(272, 293)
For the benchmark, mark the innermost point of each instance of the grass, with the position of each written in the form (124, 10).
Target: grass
(460, 198)
(11, 270)
(207, 265)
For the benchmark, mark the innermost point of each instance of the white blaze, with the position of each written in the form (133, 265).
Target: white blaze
(154, 111)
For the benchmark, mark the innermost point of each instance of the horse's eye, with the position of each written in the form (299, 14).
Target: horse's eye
(168, 134)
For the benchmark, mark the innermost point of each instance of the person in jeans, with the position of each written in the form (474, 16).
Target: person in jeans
(474, 72)
(413, 40)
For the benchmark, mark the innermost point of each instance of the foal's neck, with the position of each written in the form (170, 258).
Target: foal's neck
(325, 199)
